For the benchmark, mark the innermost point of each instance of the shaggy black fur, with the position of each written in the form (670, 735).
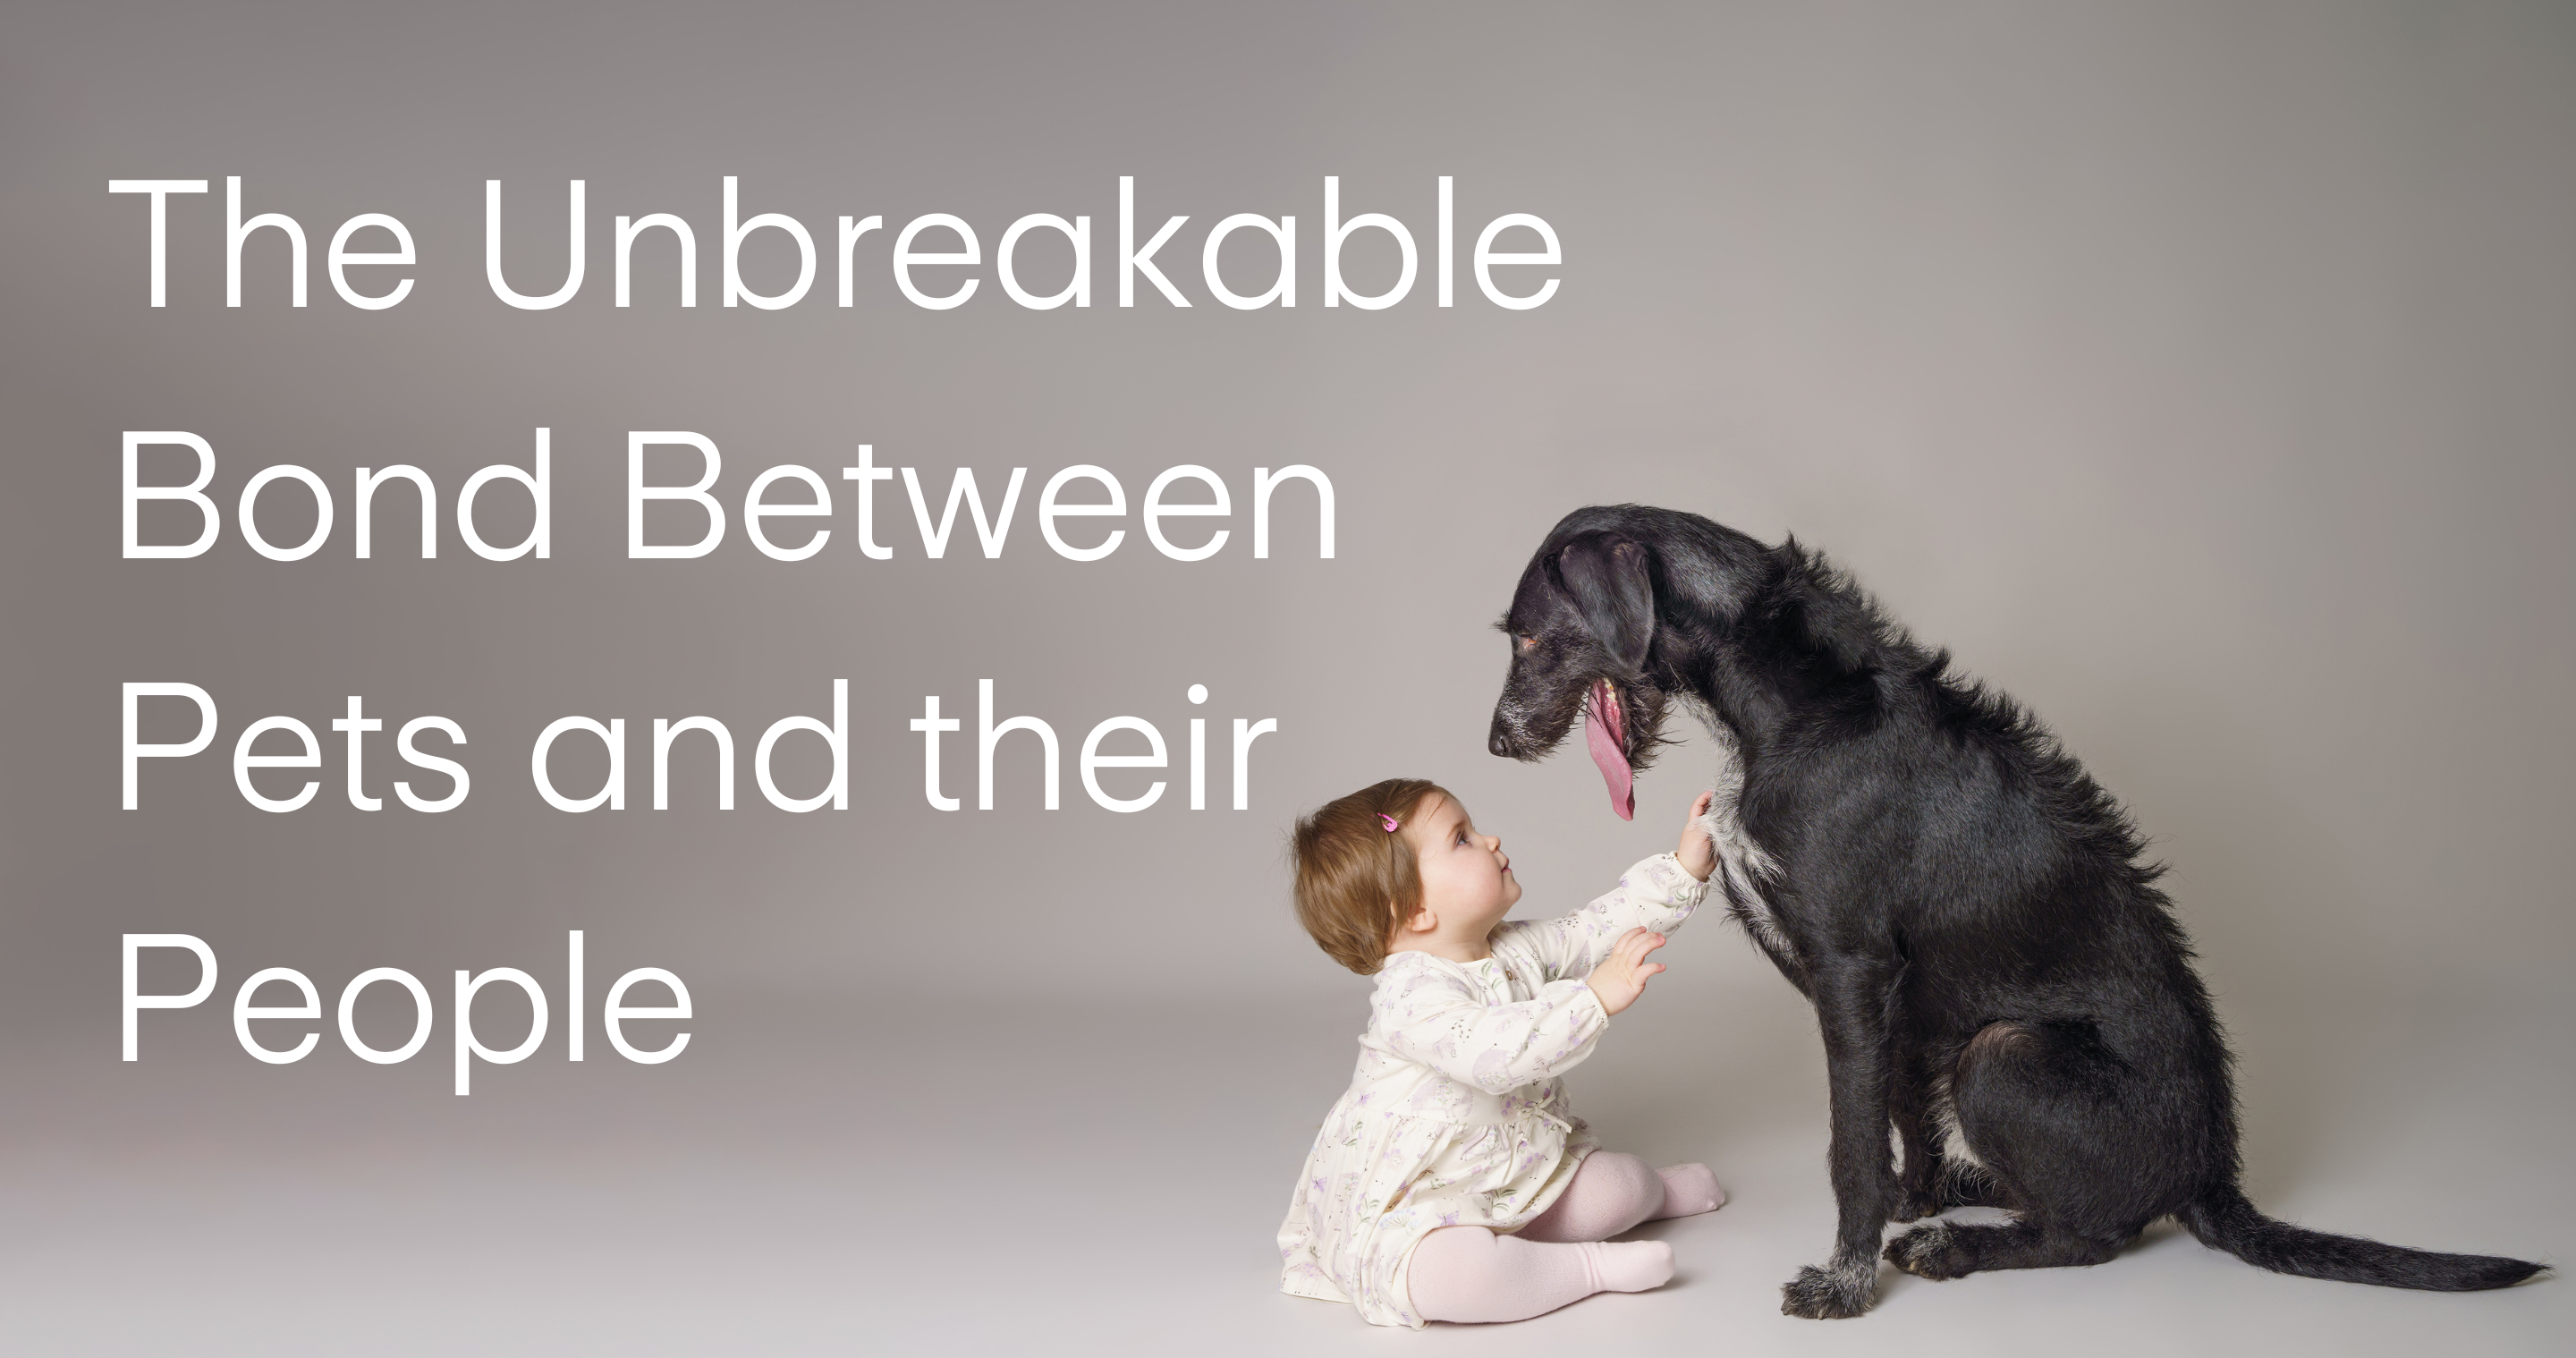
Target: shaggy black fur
(1969, 912)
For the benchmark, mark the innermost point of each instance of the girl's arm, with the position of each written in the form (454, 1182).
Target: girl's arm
(1655, 895)
(1436, 1019)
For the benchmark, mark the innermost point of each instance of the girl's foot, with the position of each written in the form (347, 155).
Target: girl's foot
(1628, 1265)
(1688, 1191)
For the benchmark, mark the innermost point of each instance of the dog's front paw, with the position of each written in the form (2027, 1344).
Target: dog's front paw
(1926, 1252)
(1831, 1293)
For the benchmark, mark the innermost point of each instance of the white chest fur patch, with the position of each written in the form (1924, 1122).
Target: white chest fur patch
(1744, 868)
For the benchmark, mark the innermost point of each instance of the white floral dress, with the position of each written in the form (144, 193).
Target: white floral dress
(1455, 1116)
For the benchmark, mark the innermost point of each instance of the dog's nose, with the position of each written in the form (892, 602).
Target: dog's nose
(1500, 744)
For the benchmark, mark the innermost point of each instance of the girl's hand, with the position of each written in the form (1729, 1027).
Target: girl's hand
(1621, 977)
(1698, 856)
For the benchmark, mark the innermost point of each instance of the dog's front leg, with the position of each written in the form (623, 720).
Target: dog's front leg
(1912, 1088)
(1853, 997)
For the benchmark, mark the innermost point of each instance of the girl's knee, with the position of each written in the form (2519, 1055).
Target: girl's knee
(1608, 1194)
(1633, 1180)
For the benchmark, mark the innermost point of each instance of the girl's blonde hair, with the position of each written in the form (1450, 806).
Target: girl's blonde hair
(1356, 879)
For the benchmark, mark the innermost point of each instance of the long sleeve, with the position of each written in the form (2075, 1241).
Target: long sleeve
(1656, 894)
(1430, 1016)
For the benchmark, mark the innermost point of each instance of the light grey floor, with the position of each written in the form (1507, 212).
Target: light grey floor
(1104, 1175)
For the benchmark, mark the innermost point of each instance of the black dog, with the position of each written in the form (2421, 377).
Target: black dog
(1989, 958)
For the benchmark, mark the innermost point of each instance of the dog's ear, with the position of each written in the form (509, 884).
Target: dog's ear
(1607, 579)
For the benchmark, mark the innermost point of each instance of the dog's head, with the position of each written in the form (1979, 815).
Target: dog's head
(1604, 626)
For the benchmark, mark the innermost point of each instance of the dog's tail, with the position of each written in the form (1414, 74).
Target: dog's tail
(2223, 1219)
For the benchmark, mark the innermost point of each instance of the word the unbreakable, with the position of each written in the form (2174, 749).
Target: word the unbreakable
(808, 497)
(937, 291)
(614, 1013)
(304, 751)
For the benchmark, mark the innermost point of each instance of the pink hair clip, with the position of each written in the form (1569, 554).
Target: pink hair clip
(1388, 821)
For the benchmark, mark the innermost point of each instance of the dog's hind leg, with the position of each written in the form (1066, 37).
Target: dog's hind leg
(2052, 1115)
(1945, 1249)
(1933, 1177)
(1965, 1185)
(1938, 1181)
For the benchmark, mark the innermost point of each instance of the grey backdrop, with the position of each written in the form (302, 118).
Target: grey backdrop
(2198, 373)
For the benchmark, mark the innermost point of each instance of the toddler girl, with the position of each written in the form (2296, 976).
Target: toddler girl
(1452, 1181)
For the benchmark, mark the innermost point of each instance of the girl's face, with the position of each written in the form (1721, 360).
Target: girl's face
(1467, 880)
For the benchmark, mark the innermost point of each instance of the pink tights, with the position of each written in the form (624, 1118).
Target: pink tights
(1468, 1273)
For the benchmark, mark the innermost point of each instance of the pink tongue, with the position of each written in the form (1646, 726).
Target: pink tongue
(1601, 733)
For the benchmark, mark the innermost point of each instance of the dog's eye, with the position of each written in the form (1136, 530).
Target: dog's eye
(1525, 644)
